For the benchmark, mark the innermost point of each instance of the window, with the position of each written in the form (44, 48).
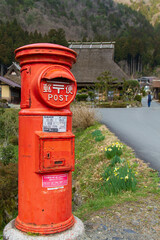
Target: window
(13, 73)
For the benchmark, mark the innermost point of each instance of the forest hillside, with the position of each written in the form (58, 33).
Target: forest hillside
(79, 18)
(149, 8)
(127, 22)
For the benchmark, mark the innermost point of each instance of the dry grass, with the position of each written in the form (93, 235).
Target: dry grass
(83, 116)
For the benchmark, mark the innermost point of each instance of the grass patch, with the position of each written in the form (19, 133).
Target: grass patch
(90, 163)
(118, 104)
(16, 153)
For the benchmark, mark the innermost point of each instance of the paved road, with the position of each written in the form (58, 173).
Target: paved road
(138, 128)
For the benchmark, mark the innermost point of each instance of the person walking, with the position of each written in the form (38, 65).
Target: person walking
(149, 99)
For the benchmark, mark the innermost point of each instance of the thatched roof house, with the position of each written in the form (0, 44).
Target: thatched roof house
(93, 59)
(10, 84)
(13, 73)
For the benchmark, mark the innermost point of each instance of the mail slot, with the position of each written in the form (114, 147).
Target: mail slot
(57, 86)
(46, 142)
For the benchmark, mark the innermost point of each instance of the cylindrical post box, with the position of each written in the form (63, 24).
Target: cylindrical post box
(46, 141)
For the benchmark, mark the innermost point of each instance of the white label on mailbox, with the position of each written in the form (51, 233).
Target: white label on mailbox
(54, 123)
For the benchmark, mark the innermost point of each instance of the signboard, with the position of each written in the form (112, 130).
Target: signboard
(54, 181)
(57, 92)
(54, 123)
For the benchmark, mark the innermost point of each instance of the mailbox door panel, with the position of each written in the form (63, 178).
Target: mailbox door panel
(55, 153)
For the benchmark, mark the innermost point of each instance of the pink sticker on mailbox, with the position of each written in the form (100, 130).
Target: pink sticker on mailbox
(51, 181)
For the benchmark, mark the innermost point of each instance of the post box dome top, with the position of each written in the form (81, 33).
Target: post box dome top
(44, 45)
(45, 52)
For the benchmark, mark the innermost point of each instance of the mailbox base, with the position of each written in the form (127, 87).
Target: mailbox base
(45, 229)
(10, 232)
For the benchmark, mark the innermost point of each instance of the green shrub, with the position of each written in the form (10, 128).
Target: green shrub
(116, 159)
(118, 176)
(138, 98)
(118, 179)
(2, 110)
(113, 150)
(159, 96)
(81, 97)
(99, 138)
(116, 98)
(3, 101)
(13, 140)
(143, 92)
(8, 154)
(82, 90)
(2, 134)
(91, 95)
(97, 134)
(8, 192)
(8, 124)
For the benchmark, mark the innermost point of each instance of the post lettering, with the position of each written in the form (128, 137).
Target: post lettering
(60, 98)
(50, 96)
(47, 87)
(55, 97)
(69, 90)
(58, 87)
(66, 96)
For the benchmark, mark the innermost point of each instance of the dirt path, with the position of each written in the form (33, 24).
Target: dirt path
(131, 221)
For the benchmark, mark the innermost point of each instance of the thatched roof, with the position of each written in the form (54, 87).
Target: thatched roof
(13, 73)
(93, 59)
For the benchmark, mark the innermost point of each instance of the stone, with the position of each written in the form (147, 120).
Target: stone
(104, 227)
(116, 238)
(135, 222)
(128, 230)
(74, 233)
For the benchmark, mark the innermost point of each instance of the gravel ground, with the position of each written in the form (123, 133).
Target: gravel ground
(131, 221)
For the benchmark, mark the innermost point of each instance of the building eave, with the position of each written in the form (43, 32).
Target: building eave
(9, 82)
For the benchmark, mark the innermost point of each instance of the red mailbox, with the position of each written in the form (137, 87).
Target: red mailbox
(46, 142)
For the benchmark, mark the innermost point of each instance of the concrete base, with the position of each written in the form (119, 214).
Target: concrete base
(12, 233)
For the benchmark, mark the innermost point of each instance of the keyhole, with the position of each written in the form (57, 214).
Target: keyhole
(48, 155)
